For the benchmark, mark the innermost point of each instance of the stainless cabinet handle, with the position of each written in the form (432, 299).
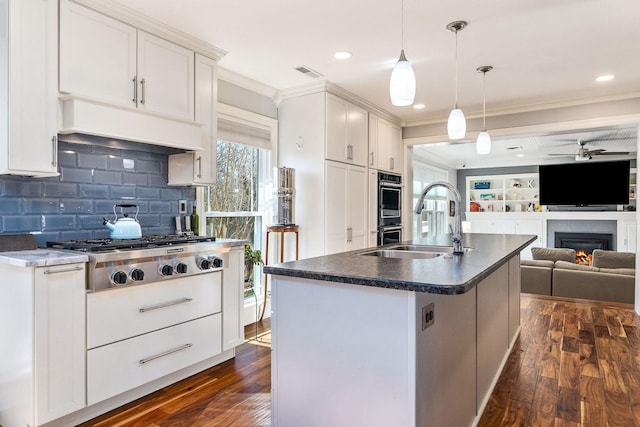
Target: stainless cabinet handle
(144, 98)
(391, 163)
(164, 304)
(349, 234)
(54, 151)
(165, 353)
(371, 164)
(199, 160)
(349, 152)
(64, 270)
(135, 90)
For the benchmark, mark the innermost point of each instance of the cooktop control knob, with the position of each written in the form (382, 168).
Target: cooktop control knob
(166, 270)
(204, 264)
(137, 274)
(119, 278)
(181, 267)
(216, 262)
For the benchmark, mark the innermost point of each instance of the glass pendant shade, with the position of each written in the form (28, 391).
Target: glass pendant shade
(402, 86)
(483, 143)
(457, 125)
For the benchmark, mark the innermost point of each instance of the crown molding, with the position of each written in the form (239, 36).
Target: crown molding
(246, 83)
(150, 25)
(530, 108)
(327, 86)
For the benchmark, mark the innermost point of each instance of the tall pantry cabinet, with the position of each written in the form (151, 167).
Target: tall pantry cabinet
(325, 139)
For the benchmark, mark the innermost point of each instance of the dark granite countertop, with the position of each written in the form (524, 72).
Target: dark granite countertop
(449, 274)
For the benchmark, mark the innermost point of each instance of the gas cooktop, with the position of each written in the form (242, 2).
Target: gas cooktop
(103, 245)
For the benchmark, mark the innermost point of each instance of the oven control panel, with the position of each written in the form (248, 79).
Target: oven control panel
(150, 267)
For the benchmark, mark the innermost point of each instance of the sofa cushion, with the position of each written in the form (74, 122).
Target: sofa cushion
(566, 265)
(613, 259)
(537, 263)
(554, 254)
(625, 271)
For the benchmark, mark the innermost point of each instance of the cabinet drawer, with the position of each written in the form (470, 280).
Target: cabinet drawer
(122, 313)
(118, 367)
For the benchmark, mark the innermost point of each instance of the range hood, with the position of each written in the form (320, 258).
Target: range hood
(89, 117)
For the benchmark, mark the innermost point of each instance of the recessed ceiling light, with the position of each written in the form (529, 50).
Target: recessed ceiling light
(342, 55)
(519, 155)
(419, 106)
(605, 78)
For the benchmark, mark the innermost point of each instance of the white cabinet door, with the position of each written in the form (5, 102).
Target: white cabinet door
(335, 207)
(59, 340)
(627, 241)
(373, 141)
(514, 298)
(29, 97)
(531, 226)
(233, 300)
(97, 56)
(357, 232)
(345, 207)
(373, 208)
(166, 77)
(389, 146)
(346, 131)
(199, 167)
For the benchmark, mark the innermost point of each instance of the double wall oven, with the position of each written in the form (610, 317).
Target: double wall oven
(389, 208)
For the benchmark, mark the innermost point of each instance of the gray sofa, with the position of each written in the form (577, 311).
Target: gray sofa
(611, 277)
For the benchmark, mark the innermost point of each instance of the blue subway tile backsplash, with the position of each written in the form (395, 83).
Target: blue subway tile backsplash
(92, 179)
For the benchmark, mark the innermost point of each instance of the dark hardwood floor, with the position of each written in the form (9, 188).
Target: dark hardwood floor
(575, 363)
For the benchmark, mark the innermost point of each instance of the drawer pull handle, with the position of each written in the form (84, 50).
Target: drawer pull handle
(65, 270)
(164, 304)
(165, 353)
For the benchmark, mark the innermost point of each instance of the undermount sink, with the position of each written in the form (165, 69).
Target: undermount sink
(412, 251)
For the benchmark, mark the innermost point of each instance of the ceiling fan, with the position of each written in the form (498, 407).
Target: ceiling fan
(583, 153)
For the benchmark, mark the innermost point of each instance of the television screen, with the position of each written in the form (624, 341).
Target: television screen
(585, 183)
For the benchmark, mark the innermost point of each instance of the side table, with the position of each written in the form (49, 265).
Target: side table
(292, 228)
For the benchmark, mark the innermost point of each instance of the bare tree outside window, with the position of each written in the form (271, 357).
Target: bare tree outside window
(235, 192)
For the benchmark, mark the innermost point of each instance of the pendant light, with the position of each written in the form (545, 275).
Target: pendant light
(457, 125)
(402, 86)
(483, 143)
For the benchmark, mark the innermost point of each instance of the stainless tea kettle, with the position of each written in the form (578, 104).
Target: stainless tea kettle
(125, 227)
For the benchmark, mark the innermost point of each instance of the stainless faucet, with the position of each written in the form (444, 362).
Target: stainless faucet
(456, 236)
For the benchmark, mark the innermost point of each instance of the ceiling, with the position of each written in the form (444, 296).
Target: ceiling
(544, 52)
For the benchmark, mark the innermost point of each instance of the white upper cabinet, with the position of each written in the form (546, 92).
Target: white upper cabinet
(165, 77)
(346, 131)
(386, 151)
(28, 97)
(97, 56)
(104, 59)
(199, 167)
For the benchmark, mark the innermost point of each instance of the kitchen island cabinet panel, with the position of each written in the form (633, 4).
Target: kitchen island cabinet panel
(233, 300)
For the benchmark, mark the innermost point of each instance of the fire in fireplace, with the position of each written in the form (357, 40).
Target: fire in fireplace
(584, 243)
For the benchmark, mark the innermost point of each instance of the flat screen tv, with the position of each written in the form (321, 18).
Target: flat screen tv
(585, 183)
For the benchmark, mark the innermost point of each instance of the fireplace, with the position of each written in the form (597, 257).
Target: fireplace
(584, 243)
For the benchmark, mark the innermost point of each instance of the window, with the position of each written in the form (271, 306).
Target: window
(433, 219)
(240, 203)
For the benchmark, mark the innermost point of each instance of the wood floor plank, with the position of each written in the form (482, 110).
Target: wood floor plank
(543, 408)
(569, 374)
(593, 410)
(568, 406)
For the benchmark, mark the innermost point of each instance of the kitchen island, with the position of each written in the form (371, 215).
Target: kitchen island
(378, 341)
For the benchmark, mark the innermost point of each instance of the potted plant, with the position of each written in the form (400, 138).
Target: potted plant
(251, 258)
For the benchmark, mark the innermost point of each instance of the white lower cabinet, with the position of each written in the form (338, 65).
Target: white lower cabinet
(233, 300)
(346, 207)
(150, 307)
(42, 365)
(121, 366)
(515, 224)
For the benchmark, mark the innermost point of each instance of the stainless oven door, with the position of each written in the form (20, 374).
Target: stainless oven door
(389, 199)
(388, 235)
